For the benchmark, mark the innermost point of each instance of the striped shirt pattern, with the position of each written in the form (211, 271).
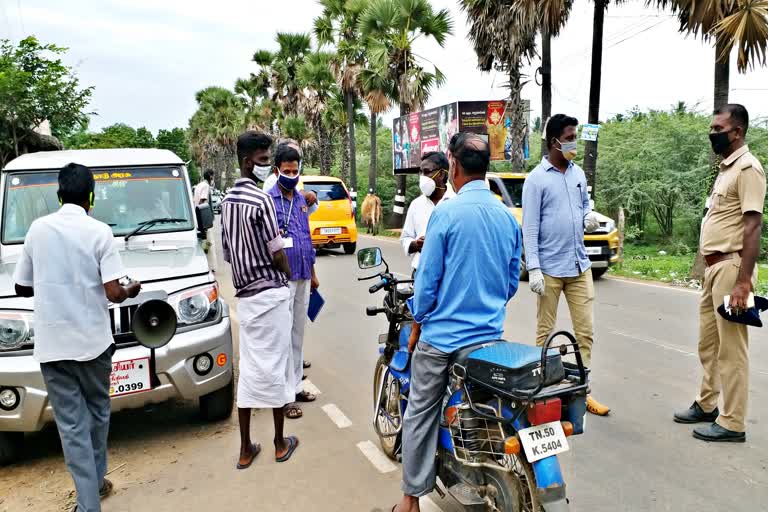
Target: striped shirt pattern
(250, 237)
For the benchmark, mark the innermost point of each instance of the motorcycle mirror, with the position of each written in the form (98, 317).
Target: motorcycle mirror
(369, 258)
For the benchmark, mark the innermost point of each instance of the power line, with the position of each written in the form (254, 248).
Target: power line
(637, 34)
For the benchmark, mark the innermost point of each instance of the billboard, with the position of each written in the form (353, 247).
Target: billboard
(418, 133)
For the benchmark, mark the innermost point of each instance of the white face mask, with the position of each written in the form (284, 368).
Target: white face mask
(427, 185)
(262, 171)
(569, 149)
(270, 182)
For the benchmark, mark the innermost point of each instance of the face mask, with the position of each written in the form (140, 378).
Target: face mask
(312, 209)
(270, 182)
(427, 185)
(288, 182)
(262, 171)
(720, 142)
(569, 149)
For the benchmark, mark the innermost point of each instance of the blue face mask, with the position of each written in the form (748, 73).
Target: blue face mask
(288, 182)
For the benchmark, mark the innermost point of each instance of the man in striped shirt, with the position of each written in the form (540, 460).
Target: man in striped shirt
(260, 272)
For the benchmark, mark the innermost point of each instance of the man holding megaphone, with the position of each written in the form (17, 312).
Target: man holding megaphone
(71, 267)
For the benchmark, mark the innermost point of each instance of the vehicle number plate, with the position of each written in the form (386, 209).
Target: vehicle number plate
(594, 251)
(128, 377)
(543, 441)
(330, 231)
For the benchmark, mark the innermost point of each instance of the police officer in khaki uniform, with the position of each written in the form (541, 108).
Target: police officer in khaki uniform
(730, 243)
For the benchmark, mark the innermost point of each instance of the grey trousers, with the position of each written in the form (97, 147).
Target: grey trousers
(421, 424)
(79, 395)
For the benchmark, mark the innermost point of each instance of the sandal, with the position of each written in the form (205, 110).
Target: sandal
(305, 396)
(293, 443)
(293, 411)
(256, 449)
(307, 364)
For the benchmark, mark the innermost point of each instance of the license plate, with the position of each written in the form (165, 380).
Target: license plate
(130, 376)
(543, 441)
(594, 251)
(330, 231)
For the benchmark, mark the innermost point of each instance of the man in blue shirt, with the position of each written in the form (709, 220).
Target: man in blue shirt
(556, 212)
(469, 269)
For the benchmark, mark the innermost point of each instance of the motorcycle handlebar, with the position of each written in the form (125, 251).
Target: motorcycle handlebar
(378, 286)
(373, 311)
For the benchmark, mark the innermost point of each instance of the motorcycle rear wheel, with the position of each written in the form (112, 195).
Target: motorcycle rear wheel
(387, 388)
(515, 487)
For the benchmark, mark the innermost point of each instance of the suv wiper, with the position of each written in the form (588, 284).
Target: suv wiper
(143, 226)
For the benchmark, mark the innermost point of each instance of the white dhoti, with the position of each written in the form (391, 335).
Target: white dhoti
(299, 306)
(266, 365)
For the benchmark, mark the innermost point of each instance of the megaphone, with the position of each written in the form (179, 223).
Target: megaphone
(154, 323)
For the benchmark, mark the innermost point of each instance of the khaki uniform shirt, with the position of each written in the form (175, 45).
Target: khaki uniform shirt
(739, 188)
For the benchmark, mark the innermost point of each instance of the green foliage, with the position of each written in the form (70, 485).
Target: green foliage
(294, 127)
(35, 86)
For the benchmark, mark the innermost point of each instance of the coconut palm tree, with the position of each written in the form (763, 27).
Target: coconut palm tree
(391, 27)
(338, 26)
(379, 90)
(503, 35)
(319, 85)
(335, 118)
(293, 49)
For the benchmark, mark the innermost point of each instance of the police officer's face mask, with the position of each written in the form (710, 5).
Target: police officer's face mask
(720, 141)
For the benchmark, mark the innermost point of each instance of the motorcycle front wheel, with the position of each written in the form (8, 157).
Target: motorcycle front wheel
(386, 407)
(512, 489)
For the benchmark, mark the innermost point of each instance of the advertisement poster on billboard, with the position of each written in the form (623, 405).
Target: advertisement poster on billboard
(414, 130)
(430, 133)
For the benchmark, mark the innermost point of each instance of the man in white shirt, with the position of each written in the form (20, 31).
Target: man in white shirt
(433, 182)
(203, 196)
(71, 267)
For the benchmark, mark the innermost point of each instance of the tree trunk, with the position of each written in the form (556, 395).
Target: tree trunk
(590, 149)
(397, 218)
(621, 231)
(372, 170)
(345, 156)
(350, 99)
(546, 85)
(324, 149)
(518, 129)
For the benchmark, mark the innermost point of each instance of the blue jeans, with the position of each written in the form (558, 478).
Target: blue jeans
(79, 394)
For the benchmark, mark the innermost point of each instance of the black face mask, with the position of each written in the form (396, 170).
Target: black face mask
(720, 142)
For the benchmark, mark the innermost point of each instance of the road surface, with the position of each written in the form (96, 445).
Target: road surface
(644, 366)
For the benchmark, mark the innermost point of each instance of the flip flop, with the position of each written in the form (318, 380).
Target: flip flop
(307, 364)
(256, 448)
(293, 411)
(305, 396)
(293, 443)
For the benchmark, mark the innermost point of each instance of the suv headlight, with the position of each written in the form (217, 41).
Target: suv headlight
(16, 330)
(197, 305)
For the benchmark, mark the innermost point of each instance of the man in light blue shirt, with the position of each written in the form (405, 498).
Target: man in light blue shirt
(556, 212)
(469, 269)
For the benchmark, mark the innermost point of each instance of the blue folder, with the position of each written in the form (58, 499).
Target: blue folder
(316, 302)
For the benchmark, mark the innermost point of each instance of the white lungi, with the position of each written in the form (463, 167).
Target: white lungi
(266, 376)
(299, 306)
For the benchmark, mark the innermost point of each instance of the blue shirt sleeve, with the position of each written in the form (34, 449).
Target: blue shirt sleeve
(531, 221)
(585, 194)
(514, 263)
(431, 266)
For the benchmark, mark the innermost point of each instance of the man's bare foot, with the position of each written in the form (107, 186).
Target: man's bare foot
(247, 455)
(407, 504)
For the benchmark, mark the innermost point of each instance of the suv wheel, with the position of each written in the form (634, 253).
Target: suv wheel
(350, 248)
(10, 447)
(218, 405)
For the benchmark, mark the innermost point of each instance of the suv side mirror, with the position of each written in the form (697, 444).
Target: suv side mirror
(369, 257)
(204, 214)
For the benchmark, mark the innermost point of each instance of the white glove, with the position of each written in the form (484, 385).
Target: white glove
(536, 281)
(591, 222)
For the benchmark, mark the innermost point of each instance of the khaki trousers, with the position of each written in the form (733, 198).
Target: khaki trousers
(723, 349)
(580, 294)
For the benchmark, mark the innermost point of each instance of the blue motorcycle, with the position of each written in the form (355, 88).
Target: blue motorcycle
(507, 412)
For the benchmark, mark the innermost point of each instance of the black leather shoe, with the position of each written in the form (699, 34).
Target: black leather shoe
(714, 433)
(695, 414)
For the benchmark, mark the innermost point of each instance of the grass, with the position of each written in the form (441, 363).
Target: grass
(645, 262)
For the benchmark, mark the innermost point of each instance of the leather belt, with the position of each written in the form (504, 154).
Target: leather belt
(714, 259)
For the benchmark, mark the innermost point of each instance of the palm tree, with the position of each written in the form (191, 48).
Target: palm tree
(503, 35)
(214, 129)
(338, 26)
(335, 118)
(260, 110)
(391, 28)
(379, 91)
(293, 49)
(316, 77)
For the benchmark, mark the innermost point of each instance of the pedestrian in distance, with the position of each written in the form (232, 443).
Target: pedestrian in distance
(472, 249)
(71, 267)
(260, 273)
(556, 213)
(730, 244)
(202, 195)
(293, 222)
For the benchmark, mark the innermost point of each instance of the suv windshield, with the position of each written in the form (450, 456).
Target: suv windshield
(327, 191)
(514, 188)
(123, 199)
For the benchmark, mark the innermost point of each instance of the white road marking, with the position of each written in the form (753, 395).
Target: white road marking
(376, 457)
(427, 504)
(386, 240)
(652, 285)
(331, 255)
(336, 416)
(311, 388)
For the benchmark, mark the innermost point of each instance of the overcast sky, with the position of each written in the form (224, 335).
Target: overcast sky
(147, 58)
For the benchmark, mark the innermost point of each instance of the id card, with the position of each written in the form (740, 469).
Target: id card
(287, 242)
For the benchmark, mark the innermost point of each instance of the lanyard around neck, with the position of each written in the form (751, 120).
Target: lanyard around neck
(286, 220)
